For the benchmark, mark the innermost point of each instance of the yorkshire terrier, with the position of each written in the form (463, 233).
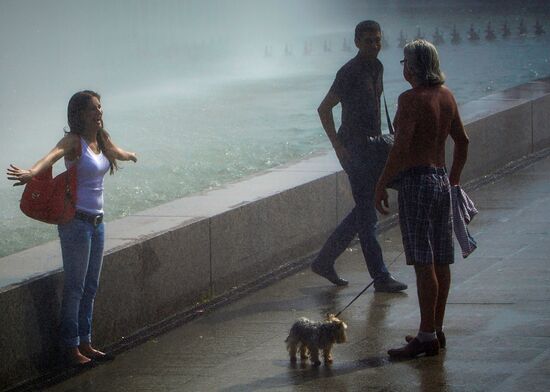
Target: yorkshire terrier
(311, 336)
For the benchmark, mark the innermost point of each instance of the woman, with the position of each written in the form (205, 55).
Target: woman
(88, 146)
(427, 115)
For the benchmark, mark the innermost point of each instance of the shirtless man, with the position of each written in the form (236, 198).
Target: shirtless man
(426, 115)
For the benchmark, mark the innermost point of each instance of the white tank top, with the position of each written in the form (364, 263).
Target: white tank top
(89, 179)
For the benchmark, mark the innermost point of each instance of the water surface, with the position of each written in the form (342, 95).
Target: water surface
(188, 85)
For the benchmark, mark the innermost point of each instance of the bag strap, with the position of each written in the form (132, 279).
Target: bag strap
(69, 172)
(80, 147)
(390, 126)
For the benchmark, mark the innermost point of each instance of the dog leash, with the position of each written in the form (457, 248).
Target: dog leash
(353, 300)
(365, 289)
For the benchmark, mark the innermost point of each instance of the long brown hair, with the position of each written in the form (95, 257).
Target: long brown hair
(77, 104)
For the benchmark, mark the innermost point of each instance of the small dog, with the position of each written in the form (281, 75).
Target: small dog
(310, 336)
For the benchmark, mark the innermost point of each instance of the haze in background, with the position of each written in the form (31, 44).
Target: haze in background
(203, 89)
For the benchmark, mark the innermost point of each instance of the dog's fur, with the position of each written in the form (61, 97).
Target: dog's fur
(310, 337)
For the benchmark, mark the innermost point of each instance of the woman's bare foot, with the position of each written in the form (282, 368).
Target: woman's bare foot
(73, 356)
(90, 352)
(87, 350)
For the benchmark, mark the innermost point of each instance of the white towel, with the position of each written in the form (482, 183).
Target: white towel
(463, 213)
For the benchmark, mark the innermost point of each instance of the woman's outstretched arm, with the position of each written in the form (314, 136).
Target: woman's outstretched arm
(65, 147)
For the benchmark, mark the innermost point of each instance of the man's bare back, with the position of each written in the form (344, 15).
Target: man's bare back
(426, 116)
(424, 119)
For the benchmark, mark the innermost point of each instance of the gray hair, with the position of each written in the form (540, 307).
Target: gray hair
(423, 62)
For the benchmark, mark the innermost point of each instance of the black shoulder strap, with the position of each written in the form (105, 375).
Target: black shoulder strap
(390, 126)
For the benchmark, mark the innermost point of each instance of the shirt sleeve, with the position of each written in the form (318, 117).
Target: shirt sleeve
(339, 85)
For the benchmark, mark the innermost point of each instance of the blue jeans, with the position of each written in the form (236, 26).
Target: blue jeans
(82, 250)
(363, 173)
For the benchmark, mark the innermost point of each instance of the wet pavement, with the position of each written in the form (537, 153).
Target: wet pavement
(497, 322)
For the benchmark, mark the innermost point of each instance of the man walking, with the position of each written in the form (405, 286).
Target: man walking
(357, 87)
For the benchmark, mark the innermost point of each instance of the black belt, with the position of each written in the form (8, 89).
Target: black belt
(90, 218)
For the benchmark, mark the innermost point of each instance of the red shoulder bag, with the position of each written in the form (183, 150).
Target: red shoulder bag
(51, 200)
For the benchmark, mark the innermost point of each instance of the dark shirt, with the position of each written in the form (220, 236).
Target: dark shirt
(358, 85)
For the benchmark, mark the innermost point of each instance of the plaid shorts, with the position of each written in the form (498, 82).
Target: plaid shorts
(425, 216)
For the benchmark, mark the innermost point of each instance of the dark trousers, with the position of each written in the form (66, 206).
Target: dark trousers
(363, 172)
